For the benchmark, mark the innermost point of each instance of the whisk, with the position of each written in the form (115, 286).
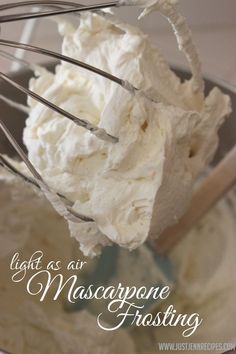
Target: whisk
(64, 7)
(100, 133)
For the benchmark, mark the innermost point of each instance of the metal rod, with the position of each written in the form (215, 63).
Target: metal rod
(25, 16)
(6, 164)
(54, 4)
(12, 57)
(34, 172)
(14, 5)
(11, 169)
(58, 56)
(123, 83)
(26, 37)
(14, 104)
(83, 123)
(19, 151)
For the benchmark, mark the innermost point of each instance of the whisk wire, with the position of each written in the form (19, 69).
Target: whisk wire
(83, 123)
(13, 170)
(12, 57)
(123, 83)
(27, 16)
(19, 151)
(100, 133)
(38, 182)
(62, 57)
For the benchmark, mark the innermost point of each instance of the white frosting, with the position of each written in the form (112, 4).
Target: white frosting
(134, 188)
(183, 34)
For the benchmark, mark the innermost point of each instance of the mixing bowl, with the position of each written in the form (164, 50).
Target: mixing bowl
(15, 120)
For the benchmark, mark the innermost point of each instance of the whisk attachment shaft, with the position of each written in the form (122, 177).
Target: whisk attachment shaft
(73, 8)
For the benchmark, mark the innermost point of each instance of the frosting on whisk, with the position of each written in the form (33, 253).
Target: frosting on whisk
(183, 34)
(137, 187)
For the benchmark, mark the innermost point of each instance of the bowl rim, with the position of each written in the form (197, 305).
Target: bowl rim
(209, 77)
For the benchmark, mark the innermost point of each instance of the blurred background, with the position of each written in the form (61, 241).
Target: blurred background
(213, 23)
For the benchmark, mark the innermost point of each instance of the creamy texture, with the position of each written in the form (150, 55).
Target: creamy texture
(30, 330)
(205, 267)
(206, 283)
(182, 32)
(137, 187)
(26, 325)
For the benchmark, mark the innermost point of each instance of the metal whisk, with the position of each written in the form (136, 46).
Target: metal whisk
(59, 8)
